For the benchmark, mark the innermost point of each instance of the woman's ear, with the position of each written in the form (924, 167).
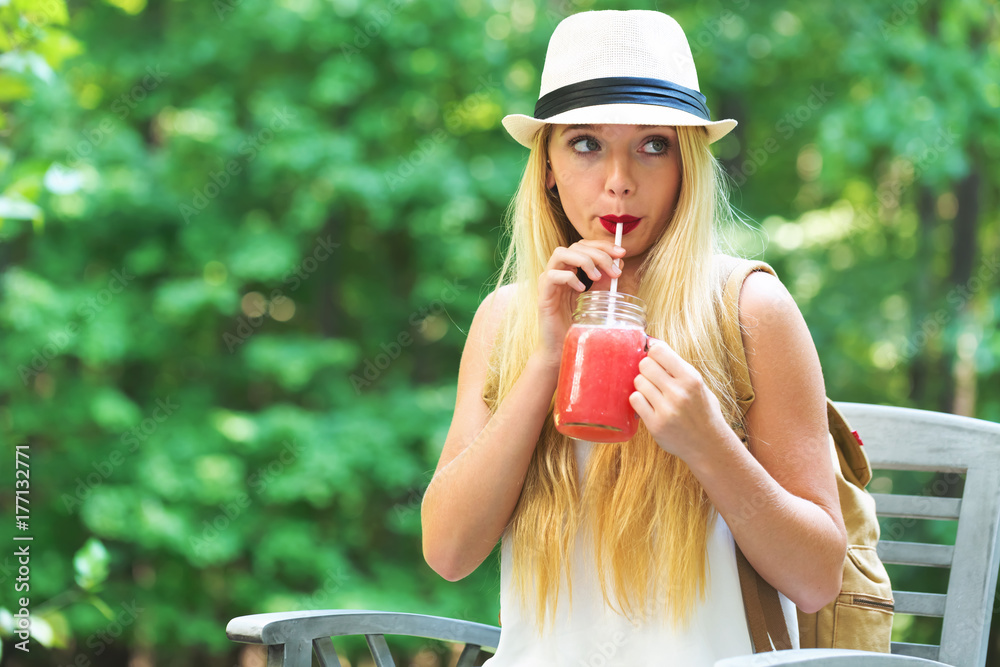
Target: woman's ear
(550, 177)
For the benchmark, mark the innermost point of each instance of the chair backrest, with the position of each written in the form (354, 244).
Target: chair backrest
(294, 638)
(953, 446)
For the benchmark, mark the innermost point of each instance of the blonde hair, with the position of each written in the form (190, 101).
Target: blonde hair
(647, 514)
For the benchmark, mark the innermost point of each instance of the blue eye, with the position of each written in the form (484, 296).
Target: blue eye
(663, 144)
(591, 144)
(583, 145)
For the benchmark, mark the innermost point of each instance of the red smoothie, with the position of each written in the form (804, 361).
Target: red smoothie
(597, 375)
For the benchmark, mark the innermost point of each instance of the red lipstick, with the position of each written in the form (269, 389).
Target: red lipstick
(629, 222)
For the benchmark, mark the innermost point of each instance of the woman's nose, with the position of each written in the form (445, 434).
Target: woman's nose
(620, 181)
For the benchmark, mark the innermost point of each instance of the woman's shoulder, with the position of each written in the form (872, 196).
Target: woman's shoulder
(762, 296)
(769, 316)
(496, 302)
(727, 264)
(491, 311)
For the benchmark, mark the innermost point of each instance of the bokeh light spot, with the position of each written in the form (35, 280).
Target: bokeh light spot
(282, 309)
(215, 273)
(253, 304)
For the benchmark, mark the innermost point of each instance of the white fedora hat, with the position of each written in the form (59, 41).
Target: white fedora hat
(618, 67)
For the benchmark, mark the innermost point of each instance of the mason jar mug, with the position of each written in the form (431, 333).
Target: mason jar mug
(600, 360)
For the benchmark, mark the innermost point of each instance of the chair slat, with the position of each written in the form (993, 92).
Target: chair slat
(468, 657)
(293, 653)
(919, 604)
(917, 507)
(916, 553)
(925, 651)
(325, 653)
(973, 579)
(380, 651)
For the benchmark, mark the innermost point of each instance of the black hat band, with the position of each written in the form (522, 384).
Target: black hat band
(622, 90)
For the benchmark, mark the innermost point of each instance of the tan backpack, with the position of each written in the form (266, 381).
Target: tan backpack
(861, 616)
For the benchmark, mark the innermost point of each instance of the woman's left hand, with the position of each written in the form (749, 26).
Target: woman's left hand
(675, 404)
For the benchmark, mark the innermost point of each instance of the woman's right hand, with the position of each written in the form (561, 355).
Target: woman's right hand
(558, 287)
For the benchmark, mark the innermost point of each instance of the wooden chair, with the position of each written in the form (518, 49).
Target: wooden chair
(905, 439)
(895, 439)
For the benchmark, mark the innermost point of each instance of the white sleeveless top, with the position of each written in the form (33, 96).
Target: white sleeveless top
(593, 635)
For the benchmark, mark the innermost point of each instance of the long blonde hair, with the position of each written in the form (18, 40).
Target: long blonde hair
(647, 514)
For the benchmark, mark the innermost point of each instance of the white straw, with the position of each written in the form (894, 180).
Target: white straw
(614, 281)
(618, 242)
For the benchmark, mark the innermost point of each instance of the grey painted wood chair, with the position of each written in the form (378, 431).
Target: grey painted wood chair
(895, 439)
(905, 439)
(293, 637)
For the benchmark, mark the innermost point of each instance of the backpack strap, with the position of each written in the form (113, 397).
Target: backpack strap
(732, 273)
(765, 619)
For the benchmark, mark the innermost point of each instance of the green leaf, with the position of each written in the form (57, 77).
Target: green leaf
(42, 632)
(91, 564)
(7, 623)
(18, 209)
(27, 62)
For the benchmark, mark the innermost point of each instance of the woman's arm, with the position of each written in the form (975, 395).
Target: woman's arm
(780, 498)
(789, 437)
(485, 458)
(478, 481)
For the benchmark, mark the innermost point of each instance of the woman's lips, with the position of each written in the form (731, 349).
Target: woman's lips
(610, 223)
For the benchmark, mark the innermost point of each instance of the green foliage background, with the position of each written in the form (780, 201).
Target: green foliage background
(242, 242)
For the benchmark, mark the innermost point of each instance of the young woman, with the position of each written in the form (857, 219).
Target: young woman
(624, 553)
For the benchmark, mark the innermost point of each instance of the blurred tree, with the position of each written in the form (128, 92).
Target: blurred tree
(242, 242)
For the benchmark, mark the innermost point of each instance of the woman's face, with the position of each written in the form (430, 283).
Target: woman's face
(603, 171)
